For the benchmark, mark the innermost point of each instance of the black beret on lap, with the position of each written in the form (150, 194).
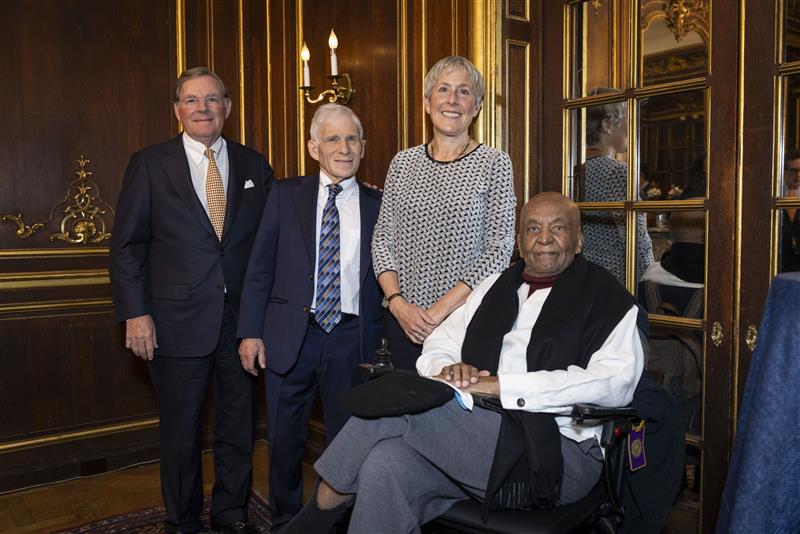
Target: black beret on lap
(397, 393)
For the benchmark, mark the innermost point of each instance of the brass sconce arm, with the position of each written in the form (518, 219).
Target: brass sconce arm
(341, 90)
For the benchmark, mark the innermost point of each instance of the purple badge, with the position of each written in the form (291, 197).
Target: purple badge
(636, 457)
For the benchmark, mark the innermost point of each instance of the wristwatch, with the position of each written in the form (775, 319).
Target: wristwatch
(387, 300)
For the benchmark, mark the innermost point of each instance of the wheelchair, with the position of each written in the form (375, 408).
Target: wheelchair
(622, 501)
(600, 510)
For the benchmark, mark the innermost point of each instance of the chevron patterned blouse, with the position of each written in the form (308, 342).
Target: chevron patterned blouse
(441, 223)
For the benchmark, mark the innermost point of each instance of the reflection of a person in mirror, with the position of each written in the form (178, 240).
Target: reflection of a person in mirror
(668, 286)
(648, 189)
(604, 178)
(790, 227)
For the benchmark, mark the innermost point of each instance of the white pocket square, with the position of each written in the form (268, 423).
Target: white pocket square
(248, 184)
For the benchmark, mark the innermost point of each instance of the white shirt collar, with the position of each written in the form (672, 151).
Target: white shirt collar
(349, 185)
(197, 150)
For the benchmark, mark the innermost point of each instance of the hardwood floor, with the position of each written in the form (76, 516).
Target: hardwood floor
(77, 502)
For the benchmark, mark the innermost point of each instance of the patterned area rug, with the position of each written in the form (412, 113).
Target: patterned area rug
(151, 520)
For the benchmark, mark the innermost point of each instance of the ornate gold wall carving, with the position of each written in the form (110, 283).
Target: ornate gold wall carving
(23, 230)
(82, 213)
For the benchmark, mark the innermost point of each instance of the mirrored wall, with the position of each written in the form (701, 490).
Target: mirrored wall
(637, 164)
(788, 191)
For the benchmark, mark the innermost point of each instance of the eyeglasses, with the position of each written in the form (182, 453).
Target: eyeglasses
(210, 101)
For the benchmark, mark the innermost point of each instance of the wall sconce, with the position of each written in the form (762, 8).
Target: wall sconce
(341, 85)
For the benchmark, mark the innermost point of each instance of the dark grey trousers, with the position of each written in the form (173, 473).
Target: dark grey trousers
(407, 470)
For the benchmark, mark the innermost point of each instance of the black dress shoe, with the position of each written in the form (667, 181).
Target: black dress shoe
(239, 527)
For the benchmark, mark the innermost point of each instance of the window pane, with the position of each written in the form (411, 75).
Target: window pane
(791, 31)
(789, 229)
(673, 284)
(672, 49)
(592, 34)
(789, 252)
(672, 146)
(791, 135)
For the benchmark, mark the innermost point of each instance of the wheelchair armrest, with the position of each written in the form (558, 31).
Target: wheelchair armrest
(594, 413)
(617, 424)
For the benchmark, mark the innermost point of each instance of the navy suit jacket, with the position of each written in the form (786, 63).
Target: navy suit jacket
(167, 261)
(279, 285)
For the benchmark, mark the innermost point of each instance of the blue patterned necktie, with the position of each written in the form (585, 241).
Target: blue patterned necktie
(329, 295)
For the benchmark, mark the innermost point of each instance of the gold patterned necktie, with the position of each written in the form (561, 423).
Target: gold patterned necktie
(215, 194)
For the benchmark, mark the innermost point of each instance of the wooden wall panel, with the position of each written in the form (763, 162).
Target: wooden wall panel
(279, 92)
(80, 77)
(437, 29)
(521, 94)
(77, 383)
(214, 36)
(256, 77)
(518, 117)
(550, 144)
(198, 37)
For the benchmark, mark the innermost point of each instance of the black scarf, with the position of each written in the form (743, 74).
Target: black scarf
(686, 261)
(583, 307)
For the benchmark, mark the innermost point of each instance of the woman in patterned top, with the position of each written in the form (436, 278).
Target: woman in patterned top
(604, 178)
(447, 217)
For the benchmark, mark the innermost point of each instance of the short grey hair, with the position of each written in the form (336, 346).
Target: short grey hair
(595, 115)
(197, 72)
(687, 226)
(455, 62)
(327, 112)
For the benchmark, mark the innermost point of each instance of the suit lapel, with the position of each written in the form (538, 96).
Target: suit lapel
(177, 167)
(369, 216)
(236, 180)
(305, 203)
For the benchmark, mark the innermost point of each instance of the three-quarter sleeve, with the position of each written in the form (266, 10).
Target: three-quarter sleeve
(645, 244)
(498, 235)
(383, 258)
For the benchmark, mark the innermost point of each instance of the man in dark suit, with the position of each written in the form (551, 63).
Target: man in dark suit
(311, 304)
(186, 218)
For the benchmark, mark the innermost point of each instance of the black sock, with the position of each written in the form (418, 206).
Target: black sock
(313, 520)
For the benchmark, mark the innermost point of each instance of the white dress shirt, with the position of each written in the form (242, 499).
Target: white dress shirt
(349, 239)
(198, 165)
(608, 380)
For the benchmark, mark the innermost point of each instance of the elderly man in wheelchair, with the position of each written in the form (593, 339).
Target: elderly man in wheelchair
(550, 332)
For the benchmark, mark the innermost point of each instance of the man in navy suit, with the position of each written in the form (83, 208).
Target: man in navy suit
(186, 218)
(290, 297)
